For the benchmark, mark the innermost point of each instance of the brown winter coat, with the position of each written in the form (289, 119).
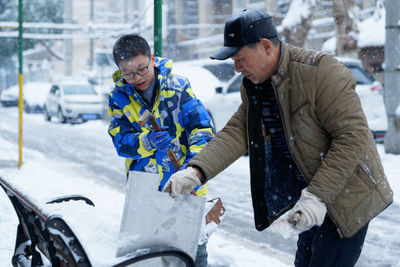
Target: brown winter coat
(327, 134)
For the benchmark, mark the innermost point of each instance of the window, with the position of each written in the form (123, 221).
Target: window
(361, 75)
(235, 85)
(54, 89)
(79, 89)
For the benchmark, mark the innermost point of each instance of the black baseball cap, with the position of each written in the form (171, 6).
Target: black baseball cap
(246, 27)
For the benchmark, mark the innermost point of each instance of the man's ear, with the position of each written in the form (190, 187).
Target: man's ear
(266, 45)
(153, 60)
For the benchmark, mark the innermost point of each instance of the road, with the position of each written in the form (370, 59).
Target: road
(90, 148)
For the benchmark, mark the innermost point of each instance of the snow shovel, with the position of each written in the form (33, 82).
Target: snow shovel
(153, 218)
(217, 211)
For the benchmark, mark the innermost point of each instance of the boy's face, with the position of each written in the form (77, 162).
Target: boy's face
(138, 71)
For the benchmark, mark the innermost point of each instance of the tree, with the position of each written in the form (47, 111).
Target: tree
(297, 22)
(34, 11)
(345, 13)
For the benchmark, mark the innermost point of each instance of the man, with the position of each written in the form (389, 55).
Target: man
(145, 82)
(310, 148)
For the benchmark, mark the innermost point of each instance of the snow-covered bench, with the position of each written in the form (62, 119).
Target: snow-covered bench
(48, 235)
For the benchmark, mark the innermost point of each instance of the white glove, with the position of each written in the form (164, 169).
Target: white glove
(182, 182)
(308, 211)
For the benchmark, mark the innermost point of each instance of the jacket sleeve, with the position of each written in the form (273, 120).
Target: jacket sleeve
(197, 123)
(127, 140)
(228, 144)
(339, 110)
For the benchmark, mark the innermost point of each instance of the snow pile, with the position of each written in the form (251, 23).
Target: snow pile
(35, 93)
(372, 29)
(329, 46)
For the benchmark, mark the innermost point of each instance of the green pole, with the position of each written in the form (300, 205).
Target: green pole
(158, 27)
(20, 80)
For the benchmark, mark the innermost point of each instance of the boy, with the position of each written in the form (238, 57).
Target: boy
(145, 82)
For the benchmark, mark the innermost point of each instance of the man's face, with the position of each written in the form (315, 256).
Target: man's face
(256, 63)
(138, 71)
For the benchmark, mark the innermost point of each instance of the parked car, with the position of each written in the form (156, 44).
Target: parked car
(370, 92)
(73, 101)
(34, 96)
(201, 80)
(9, 97)
(226, 99)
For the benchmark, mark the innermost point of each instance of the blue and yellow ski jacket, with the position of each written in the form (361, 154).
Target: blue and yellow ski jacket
(175, 106)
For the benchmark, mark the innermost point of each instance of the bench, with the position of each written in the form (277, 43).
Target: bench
(48, 235)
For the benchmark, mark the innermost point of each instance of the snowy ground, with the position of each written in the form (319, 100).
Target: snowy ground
(79, 159)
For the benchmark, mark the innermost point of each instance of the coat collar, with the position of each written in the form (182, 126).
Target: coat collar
(281, 73)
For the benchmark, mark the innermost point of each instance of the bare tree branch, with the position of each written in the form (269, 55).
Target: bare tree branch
(345, 15)
(297, 22)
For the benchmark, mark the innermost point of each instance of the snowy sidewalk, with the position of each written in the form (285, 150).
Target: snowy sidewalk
(97, 227)
(83, 153)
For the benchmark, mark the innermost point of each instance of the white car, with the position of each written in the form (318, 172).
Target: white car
(73, 101)
(34, 96)
(370, 92)
(226, 99)
(202, 81)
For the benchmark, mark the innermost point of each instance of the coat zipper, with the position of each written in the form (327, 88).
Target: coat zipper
(366, 170)
(290, 149)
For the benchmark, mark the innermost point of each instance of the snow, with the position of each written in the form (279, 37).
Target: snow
(44, 176)
(298, 10)
(197, 75)
(372, 29)
(329, 46)
(35, 93)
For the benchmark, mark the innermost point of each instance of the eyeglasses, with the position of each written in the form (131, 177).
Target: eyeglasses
(140, 72)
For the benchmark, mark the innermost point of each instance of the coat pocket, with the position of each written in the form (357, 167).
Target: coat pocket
(358, 187)
(365, 175)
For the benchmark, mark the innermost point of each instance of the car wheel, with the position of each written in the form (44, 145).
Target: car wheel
(27, 108)
(46, 114)
(60, 116)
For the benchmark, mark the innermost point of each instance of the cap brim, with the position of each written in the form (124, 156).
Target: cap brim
(226, 52)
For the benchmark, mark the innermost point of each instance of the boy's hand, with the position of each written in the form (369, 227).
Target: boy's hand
(159, 140)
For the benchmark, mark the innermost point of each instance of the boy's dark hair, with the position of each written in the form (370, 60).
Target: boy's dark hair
(128, 46)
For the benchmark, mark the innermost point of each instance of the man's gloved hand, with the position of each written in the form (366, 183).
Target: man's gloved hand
(159, 140)
(308, 211)
(182, 182)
